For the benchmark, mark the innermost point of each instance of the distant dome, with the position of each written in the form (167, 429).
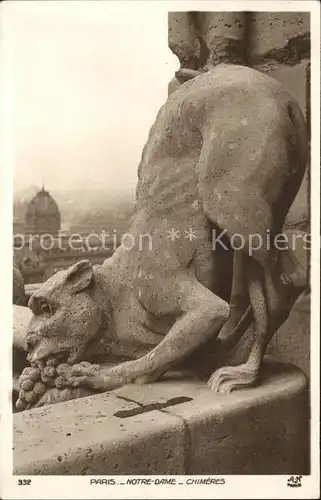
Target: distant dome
(42, 215)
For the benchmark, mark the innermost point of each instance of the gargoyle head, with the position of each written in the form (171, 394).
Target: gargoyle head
(66, 315)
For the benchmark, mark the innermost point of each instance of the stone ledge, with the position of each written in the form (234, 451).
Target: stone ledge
(137, 430)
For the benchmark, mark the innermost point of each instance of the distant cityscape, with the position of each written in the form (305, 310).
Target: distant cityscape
(52, 232)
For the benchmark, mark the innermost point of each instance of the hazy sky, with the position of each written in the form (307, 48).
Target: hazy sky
(87, 79)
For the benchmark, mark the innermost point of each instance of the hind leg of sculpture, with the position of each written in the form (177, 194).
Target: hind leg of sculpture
(241, 316)
(228, 378)
(282, 286)
(240, 319)
(200, 315)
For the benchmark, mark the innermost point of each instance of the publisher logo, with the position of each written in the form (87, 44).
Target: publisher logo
(294, 481)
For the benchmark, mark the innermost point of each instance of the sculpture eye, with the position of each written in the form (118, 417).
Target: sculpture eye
(45, 308)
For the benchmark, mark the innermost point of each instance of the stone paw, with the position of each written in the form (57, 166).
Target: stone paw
(230, 378)
(96, 377)
(84, 368)
(93, 381)
(80, 374)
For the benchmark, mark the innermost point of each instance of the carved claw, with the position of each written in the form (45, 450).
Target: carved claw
(230, 378)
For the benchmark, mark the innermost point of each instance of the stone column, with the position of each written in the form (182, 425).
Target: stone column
(223, 36)
(183, 39)
(202, 40)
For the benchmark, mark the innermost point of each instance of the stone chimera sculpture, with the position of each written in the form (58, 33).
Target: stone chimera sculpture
(228, 152)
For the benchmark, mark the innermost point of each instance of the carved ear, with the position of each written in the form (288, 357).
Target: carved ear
(79, 276)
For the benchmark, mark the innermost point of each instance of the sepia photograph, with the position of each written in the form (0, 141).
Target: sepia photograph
(161, 223)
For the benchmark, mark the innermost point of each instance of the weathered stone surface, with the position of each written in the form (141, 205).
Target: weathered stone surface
(223, 36)
(273, 40)
(173, 85)
(19, 297)
(85, 437)
(260, 39)
(183, 39)
(205, 39)
(279, 38)
(193, 176)
(38, 387)
(292, 341)
(21, 318)
(295, 80)
(258, 431)
(270, 437)
(279, 43)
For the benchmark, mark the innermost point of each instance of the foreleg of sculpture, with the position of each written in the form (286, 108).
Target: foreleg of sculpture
(200, 316)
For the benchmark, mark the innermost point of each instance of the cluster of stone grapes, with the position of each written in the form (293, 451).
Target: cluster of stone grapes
(36, 380)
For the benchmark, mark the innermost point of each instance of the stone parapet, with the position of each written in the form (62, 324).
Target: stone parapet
(172, 427)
